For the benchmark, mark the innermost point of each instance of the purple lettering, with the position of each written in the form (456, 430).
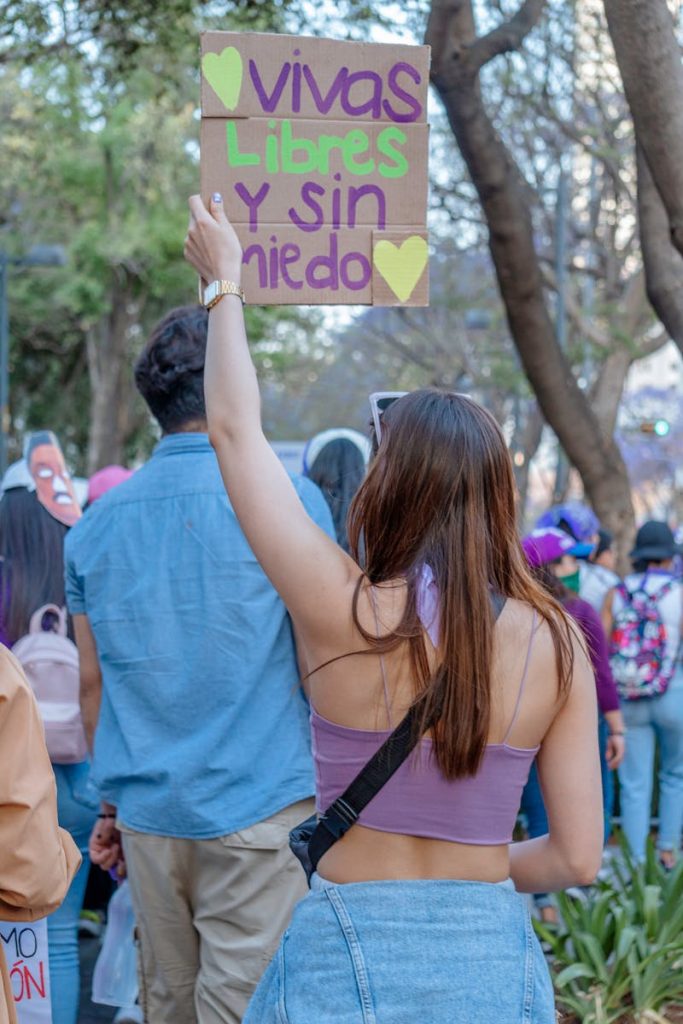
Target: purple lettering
(356, 193)
(296, 88)
(252, 202)
(269, 103)
(323, 105)
(289, 253)
(366, 271)
(329, 267)
(273, 262)
(308, 190)
(374, 103)
(401, 94)
(258, 252)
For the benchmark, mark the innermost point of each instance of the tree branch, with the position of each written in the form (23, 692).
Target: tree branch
(663, 263)
(649, 59)
(506, 38)
(575, 313)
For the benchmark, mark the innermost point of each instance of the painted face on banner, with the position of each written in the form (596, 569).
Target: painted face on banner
(54, 487)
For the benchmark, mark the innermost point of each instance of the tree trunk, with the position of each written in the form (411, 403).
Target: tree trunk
(110, 381)
(649, 59)
(663, 264)
(526, 441)
(457, 58)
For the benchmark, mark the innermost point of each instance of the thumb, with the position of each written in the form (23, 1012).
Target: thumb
(216, 207)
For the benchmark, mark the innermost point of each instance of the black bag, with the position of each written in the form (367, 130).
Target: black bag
(311, 839)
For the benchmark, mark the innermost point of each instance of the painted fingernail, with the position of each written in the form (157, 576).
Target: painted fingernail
(217, 197)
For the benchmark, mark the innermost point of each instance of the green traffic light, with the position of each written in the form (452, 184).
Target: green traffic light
(662, 428)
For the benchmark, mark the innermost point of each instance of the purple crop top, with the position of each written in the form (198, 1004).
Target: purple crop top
(418, 800)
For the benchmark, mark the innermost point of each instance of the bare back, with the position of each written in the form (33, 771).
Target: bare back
(369, 692)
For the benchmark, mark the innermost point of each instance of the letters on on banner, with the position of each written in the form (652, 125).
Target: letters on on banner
(24, 946)
(319, 149)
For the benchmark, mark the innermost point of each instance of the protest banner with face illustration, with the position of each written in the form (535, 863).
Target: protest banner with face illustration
(52, 480)
(319, 149)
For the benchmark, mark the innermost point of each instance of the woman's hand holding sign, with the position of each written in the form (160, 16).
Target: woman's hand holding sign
(211, 243)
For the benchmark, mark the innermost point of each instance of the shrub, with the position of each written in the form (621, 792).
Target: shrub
(618, 955)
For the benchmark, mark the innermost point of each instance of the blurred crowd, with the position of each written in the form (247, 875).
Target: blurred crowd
(150, 636)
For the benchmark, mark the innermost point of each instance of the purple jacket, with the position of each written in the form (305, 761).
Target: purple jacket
(589, 622)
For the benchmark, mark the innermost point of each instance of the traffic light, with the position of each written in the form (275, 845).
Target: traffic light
(658, 427)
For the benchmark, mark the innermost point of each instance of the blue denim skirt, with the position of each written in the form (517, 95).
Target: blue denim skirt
(407, 952)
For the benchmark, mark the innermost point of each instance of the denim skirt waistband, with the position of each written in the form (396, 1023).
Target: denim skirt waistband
(398, 952)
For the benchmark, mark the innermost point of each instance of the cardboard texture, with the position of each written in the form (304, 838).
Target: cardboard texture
(319, 149)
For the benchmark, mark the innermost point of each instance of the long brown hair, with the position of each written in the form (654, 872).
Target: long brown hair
(441, 492)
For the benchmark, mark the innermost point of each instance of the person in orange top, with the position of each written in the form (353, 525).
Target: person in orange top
(37, 858)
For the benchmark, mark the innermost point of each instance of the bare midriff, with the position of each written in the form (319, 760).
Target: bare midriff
(368, 855)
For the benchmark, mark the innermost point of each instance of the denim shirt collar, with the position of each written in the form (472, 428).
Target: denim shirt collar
(182, 443)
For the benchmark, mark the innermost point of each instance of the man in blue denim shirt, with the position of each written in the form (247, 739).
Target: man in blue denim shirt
(190, 692)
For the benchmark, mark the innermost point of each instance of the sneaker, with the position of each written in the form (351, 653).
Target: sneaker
(129, 1015)
(91, 923)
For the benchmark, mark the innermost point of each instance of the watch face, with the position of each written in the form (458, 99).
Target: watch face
(211, 292)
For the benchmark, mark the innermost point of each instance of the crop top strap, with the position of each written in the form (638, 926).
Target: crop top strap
(522, 684)
(373, 602)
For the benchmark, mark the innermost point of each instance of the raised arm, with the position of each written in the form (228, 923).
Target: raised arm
(312, 574)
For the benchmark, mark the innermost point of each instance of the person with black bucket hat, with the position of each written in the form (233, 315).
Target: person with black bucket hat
(644, 618)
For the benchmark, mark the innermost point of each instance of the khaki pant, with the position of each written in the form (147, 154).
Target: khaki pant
(210, 914)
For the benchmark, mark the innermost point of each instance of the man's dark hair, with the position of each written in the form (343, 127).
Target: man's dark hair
(169, 373)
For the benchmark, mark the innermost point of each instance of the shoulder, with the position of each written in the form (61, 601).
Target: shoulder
(520, 625)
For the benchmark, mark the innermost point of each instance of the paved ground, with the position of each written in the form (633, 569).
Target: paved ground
(91, 1013)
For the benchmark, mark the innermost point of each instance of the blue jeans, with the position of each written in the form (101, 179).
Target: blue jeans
(650, 721)
(399, 952)
(77, 810)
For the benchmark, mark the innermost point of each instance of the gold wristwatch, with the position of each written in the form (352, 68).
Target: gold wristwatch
(214, 292)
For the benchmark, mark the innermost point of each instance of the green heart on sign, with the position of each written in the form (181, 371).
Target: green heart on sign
(223, 72)
(402, 265)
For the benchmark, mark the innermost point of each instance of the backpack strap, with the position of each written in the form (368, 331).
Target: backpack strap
(36, 623)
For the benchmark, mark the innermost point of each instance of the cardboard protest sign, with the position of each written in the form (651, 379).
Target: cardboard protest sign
(24, 946)
(319, 149)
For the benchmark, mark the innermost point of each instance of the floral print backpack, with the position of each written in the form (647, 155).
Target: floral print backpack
(639, 656)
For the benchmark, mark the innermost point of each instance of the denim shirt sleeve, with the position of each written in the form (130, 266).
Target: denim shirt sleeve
(73, 583)
(315, 504)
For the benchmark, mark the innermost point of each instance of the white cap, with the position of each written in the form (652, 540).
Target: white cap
(317, 443)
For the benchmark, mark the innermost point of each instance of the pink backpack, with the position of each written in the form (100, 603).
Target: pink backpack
(50, 661)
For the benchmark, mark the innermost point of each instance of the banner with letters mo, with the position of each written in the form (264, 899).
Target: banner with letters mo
(319, 149)
(24, 945)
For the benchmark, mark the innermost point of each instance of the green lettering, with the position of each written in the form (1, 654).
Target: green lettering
(291, 146)
(325, 144)
(384, 145)
(357, 142)
(235, 158)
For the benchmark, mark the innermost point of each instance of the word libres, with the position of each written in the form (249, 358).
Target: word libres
(283, 153)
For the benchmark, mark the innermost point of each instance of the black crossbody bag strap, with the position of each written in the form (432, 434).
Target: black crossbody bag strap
(347, 808)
